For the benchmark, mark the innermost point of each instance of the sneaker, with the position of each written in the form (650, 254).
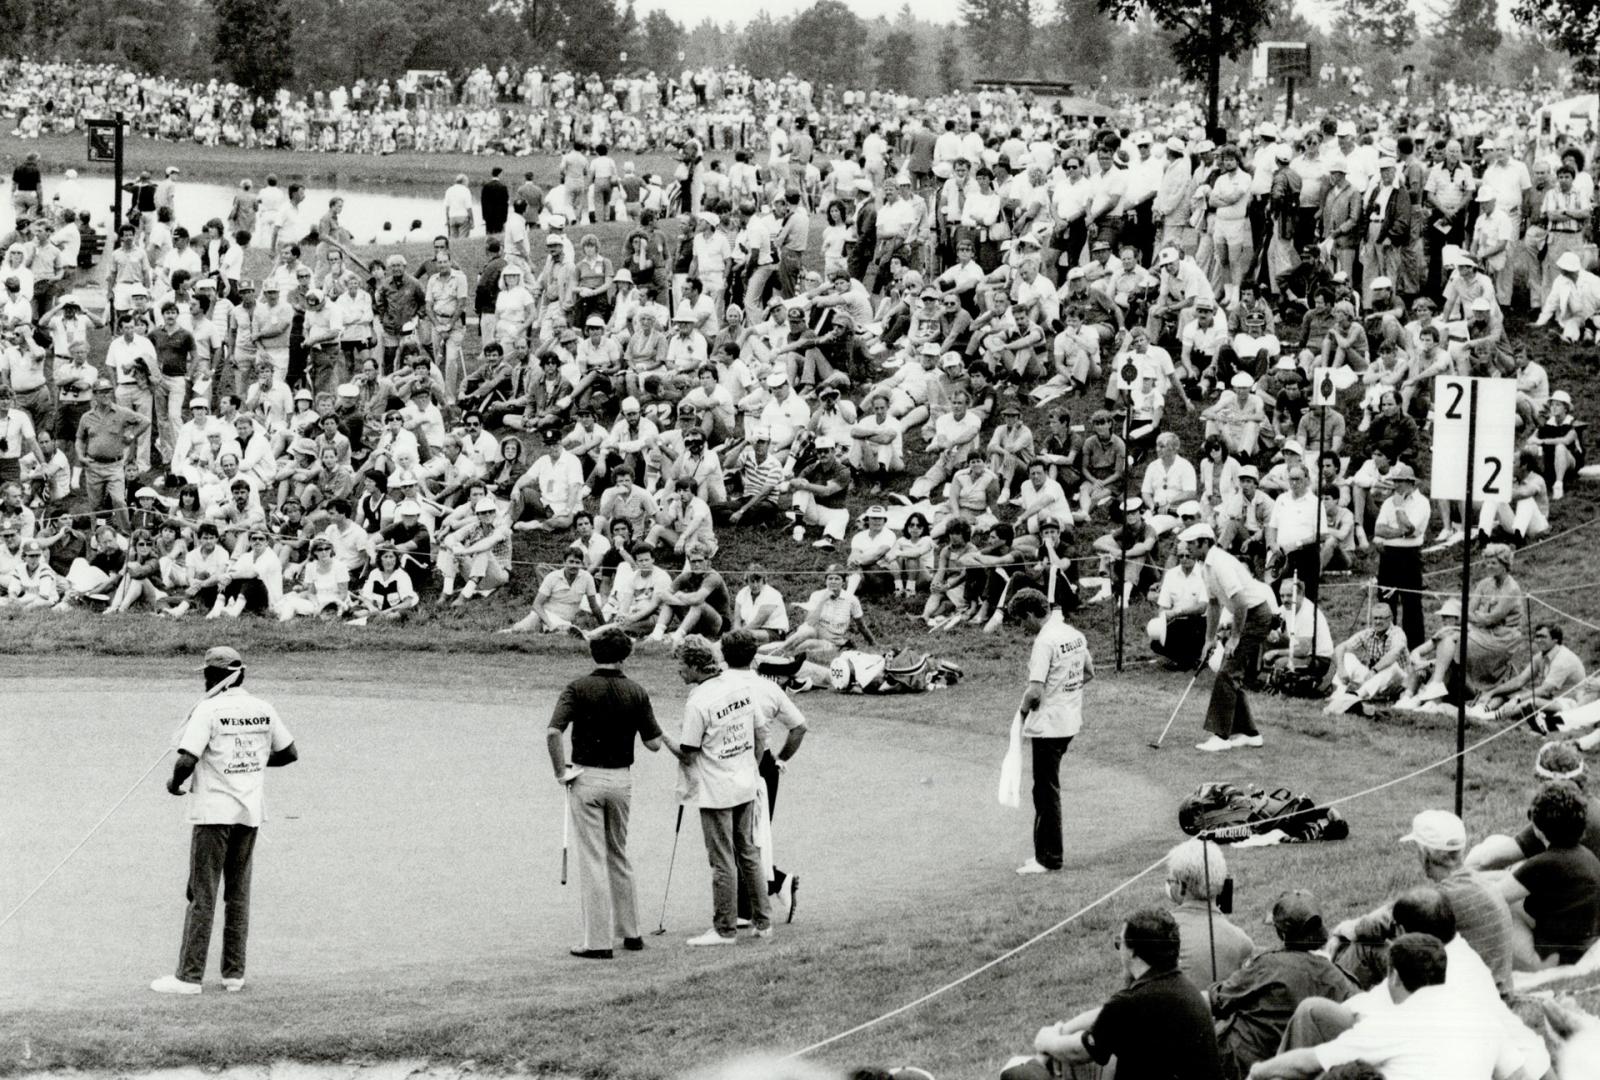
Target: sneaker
(216, 610)
(824, 544)
(633, 944)
(233, 986)
(171, 984)
(1214, 745)
(1558, 490)
(1432, 692)
(763, 933)
(788, 893)
(657, 635)
(742, 923)
(799, 534)
(1033, 866)
(1247, 740)
(711, 937)
(590, 954)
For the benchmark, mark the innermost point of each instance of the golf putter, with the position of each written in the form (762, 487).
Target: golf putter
(661, 926)
(1156, 745)
(566, 834)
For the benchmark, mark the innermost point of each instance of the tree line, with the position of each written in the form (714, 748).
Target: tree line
(1124, 44)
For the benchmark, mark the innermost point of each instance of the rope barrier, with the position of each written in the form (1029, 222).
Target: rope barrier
(1062, 924)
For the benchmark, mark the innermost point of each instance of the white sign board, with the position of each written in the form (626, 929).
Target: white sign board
(1486, 411)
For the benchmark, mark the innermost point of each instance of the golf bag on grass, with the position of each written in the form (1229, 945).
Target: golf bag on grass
(1226, 814)
(856, 671)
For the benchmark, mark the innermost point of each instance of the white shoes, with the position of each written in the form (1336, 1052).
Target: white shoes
(1247, 740)
(1558, 491)
(1215, 744)
(171, 984)
(711, 937)
(1432, 692)
(763, 934)
(1033, 866)
(657, 635)
(233, 986)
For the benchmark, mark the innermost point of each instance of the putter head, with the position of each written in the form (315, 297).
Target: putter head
(658, 931)
(1153, 745)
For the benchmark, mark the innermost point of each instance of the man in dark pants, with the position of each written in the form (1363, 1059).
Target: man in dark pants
(495, 198)
(228, 742)
(1228, 581)
(605, 710)
(1052, 713)
(1397, 534)
(780, 728)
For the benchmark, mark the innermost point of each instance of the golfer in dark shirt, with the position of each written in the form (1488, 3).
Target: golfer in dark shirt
(605, 710)
(1158, 1026)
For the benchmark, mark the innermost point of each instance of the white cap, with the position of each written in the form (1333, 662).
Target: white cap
(1142, 138)
(1345, 128)
(1176, 145)
(485, 505)
(777, 379)
(1267, 129)
(1197, 531)
(1569, 262)
(1485, 194)
(199, 403)
(1337, 164)
(1437, 830)
(1241, 380)
(1382, 283)
(408, 506)
(1482, 304)
(1075, 273)
(1166, 256)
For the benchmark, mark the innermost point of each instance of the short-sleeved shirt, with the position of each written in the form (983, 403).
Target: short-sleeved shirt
(1563, 900)
(745, 605)
(1158, 1029)
(776, 712)
(231, 734)
(1531, 844)
(1228, 578)
(605, 710)
(565, 598)
(834, 613)
(720, 718)
(1060, 661)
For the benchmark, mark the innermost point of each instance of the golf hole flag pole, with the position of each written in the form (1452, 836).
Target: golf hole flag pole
(1474, 445)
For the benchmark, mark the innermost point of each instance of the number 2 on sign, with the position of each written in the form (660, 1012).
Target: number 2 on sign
(1457, 390)
(1491, 485)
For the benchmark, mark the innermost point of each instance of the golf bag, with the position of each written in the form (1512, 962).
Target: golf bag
(904, 672)
(1225, 813)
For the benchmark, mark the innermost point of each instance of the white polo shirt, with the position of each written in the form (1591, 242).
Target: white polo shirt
(231, 734)
(1060, 660)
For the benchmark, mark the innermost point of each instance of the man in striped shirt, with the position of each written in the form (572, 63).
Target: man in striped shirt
(761, 470)
(1482, 917)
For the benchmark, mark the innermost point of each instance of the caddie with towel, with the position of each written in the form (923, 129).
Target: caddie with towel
(226, 745)
(1052, 713)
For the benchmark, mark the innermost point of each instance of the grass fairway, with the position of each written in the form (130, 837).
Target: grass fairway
(226, 164)
(406, 902)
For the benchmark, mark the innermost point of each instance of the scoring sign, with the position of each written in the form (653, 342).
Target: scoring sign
(1484, 412)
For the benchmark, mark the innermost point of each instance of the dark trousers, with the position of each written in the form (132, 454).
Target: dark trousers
(1047, 843)
(1228, 711)
(217, 853)
(254, 592)
(768, 769)
(1185, 636)
(1401, 568)
(1304, 563)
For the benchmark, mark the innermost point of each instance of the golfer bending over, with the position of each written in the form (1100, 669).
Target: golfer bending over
(228, 741)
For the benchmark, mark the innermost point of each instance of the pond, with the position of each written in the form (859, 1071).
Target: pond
(366, 211)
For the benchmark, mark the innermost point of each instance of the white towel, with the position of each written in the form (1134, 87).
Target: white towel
(1010, 791)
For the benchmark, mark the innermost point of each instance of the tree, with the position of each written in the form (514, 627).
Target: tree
(1573, 26)
(1000, 33)
(660, 42)
(765, 48)
(1082, 40)
(1206, 32)
(1388, 24)
(826, 42)
(254, 43)
(897, 61)
(952, 76)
